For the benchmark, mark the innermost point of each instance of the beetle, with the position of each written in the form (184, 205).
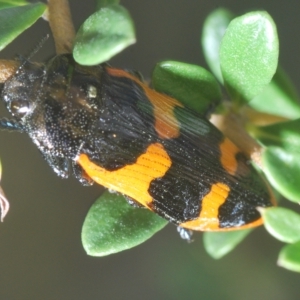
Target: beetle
(117, 131)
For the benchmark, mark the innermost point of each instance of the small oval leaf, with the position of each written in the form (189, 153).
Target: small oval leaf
(11, 3)
(285, 135)
(218, 244)
(104, 34)
(112, 225)
(15, 2)
(102, 3)
(213, 31)
(249, 55)
(278, 98)
(282, 169)
(282, 223)
(289, 257)
(192, 85)
(14, 20)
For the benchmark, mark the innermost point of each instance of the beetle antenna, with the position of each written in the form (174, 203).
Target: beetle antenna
(38, 46)
(11, 125)
(34, 51)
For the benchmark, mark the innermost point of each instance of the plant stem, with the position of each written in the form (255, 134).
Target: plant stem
(61, 25)
(233, 127)
(259, 118)
(8, 68)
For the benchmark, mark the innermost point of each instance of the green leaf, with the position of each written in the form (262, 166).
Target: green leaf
(11, 3)
(103, 3)
(249, 55)
(213, 31)
(284, 134)
(15, 2)
(104, 34)
(279, 97)
(289, 257)
(192, 85)
(14, 20)
(218, 244)
(112, 225)
(282, 223)
(282, 169)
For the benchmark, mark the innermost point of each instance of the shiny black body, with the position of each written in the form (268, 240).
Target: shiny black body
(68, 110)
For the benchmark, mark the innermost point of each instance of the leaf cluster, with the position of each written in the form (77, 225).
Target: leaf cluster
(242, 54)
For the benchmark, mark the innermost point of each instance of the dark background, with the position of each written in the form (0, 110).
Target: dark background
(40, 247)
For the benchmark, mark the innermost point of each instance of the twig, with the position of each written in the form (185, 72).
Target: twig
(8, 68)
(232, 126)
(61, 25)
(259, 118)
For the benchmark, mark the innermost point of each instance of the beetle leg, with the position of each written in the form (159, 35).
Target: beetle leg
(80, 175)
(59, 165)
(11, 125)
(185, 234)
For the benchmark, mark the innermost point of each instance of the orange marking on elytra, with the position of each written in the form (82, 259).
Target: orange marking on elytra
(208, 218)
(228, 156)
(132, 180)
(166, 124)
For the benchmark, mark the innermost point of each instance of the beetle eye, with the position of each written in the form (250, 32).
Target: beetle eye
(19, 108)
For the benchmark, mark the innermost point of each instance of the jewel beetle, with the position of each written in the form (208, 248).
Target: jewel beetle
(120, 133)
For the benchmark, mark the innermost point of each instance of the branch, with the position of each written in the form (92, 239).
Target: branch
(8, 68)
(61, 25)
(233, 127)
